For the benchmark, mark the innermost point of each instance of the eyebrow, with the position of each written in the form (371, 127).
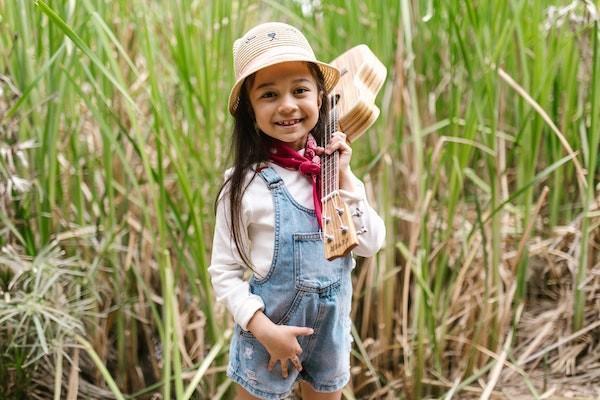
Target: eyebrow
(262, 85)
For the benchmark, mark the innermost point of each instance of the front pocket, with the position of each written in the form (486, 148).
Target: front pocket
(280, 314)
(313, 272)
(283, 320)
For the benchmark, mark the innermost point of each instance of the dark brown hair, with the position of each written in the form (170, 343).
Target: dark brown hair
(249, 147)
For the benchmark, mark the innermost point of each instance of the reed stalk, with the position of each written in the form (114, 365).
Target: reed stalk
(588, 196)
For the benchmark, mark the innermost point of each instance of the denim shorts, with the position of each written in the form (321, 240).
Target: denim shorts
(302, 288)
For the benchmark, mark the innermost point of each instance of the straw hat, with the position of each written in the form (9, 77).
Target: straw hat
(268, 44)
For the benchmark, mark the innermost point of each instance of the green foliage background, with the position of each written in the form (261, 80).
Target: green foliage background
(114, 135)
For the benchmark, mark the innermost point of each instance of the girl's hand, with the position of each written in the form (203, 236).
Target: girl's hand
(280, 341)
(339, 143)
(282, 344)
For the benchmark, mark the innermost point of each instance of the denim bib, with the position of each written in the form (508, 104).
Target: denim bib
(301, 288)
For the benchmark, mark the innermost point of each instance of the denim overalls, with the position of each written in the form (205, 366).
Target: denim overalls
(301, 288)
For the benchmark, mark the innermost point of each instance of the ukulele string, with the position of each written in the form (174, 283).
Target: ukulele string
(327, 163)
(334, 172)
(329, 175)
(324, 160)
(331, 158)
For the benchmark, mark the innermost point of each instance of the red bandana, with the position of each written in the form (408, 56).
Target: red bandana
(309, 164)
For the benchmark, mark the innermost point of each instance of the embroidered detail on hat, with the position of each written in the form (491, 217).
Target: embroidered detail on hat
(250, 38)
(272, 35)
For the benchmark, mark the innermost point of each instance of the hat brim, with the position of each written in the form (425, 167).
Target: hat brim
(331, 75)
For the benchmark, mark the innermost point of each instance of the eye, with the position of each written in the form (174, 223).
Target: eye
(267, 95)
(301, 90)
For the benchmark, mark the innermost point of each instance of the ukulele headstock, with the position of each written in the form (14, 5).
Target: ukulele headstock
(362, 75)
(339, 233)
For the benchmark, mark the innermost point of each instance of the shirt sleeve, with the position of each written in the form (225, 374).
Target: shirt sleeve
(370, 228)
(227, 269)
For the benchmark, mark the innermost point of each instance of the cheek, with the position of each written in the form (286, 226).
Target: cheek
(262, 123)
(317, 108)
(260, 114)
(314, 103)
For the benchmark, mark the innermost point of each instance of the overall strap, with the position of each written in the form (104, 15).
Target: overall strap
(271, 178)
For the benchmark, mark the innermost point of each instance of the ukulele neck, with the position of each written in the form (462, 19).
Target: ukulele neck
(330, 179)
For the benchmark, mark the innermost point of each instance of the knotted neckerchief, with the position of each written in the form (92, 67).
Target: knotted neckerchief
(309, 164)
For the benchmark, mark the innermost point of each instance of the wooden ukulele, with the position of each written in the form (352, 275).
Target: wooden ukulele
(353, 110)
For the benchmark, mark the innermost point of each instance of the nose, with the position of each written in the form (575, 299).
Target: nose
(287, 104)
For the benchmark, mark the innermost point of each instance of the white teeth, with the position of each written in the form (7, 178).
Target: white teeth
(288, 123)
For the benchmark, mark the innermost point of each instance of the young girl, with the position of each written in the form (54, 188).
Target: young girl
(292, 314)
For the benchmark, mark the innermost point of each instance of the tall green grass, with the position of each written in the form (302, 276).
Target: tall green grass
(486, 104)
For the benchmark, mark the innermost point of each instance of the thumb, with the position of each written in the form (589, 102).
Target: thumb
(302, 331)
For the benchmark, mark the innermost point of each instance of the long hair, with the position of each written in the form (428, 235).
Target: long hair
(249, 147)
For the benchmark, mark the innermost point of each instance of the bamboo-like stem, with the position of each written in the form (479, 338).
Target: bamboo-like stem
(58, 373)
(101, 367)
(201, 370)
(588, 195)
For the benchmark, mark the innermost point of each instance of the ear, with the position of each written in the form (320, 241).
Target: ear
(320, 99)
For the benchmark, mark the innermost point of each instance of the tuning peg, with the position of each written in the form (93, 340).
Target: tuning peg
(329, 238)
(357, 212)
(339, 210)
(344, 228)
(361, 231)
(326, 219)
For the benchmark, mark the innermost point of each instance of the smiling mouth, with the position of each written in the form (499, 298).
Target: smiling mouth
(289, 122)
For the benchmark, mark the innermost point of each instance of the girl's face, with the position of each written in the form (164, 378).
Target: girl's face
(286, 102)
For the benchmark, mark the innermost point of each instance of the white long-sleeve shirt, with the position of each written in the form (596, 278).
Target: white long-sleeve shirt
(229, 275)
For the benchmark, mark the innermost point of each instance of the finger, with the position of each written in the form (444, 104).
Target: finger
(342, 146)
(284, 368)
(296, 362)
(271, 364)
(332, 147)
(338, 138)
(340, 134)
(302, 330)
(345, 146)
(334, 141)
